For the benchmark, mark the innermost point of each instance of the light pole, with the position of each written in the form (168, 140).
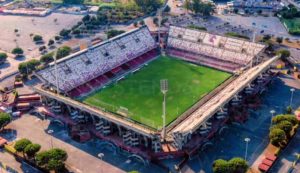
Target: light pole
(56, 72)
(51, 140)
(272, 115)
(247, 140)
(292, 94)
(164, 90)
(101, 155)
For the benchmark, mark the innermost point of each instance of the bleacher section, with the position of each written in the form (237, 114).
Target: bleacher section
(97, 64)
(220, 52)
(114, 73)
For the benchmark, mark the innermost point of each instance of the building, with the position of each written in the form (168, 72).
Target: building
(109, 62)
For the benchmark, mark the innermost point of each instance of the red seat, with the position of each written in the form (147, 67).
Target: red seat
(263, 167)
(267, 162)
(271, 157)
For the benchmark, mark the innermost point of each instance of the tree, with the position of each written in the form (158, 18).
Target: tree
(4, 119)
(286, 126)
(64, 33)
(42, 48)
(52, 159)
(3, 57)
(113, 33)
(56, 165)
(50, 42)
(283, 53)
(148, 5)
(196, 6)
(207, 9)
(86, 18)
(63, 51)
(279, 40)
(76, 32)
(235, 165)
(221, 166)
(277, 136)
(155, 21)
(199, 7)
(21, 144)
(47, 58)
(28, 66)
(266, 37)
(187, 5)
(57, 38)
(37, 38)
(291, 118)
(32, 149)
(73, 1)
(58, 154)
(238, 164)
(17, 51)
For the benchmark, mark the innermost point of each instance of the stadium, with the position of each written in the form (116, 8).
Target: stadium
(119, 90)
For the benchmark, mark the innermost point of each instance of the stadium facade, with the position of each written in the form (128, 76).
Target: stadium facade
(100, 65)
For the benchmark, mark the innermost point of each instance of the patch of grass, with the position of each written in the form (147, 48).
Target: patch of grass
(200, 28)
(140, 92)
(293, 25)
(10, 149)
(234, 34)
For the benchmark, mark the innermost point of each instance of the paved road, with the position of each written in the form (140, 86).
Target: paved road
(9, 160)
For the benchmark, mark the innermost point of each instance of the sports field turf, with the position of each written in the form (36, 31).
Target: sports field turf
(140, 92)
(293, 25)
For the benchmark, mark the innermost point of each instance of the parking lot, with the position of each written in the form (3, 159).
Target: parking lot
(270, 25)
(44, 26)
(289, 155)
(231, 142)
(83, 157)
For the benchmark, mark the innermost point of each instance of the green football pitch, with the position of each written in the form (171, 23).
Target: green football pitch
(138, 96)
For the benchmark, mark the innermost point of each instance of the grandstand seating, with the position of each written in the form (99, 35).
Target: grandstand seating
(108, 76)
(215, 50)
(105, 58)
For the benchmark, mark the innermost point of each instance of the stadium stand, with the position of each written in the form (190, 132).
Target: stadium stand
(220, 52)
(92, 67)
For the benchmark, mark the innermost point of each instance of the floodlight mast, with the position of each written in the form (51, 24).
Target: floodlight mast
(159, 24)
(164, 90)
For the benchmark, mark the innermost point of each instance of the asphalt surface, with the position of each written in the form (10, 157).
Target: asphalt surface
(288, 156)
(83, 157)
(230, 143)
